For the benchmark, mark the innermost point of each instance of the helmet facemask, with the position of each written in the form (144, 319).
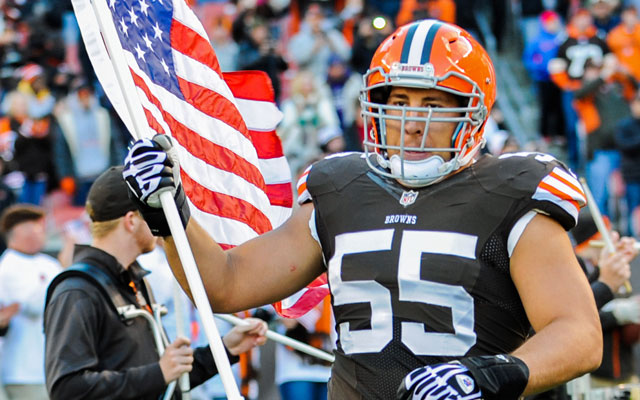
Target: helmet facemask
(466, 139)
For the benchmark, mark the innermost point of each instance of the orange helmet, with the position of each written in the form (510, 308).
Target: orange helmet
(428, 54)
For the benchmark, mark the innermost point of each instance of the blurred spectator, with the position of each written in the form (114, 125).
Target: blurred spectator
(567, 69)
(530, 11)
(34, 85)
(345, 88)
(226, 49)
(537, 54)
(84, 143)
(25, 273)
(32, 149)
(384, 7)
(317, 40)
(366, 40)
(259, 52)
(308, 111)
(248, 11)
(624, 41)
(298, 375)
(605, 16)
(601, 105)
(7, 198)
(627, 137)
(412, 10)
(607, 273)
(354, 133)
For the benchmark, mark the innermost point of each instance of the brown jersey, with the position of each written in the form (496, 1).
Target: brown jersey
(422, 276)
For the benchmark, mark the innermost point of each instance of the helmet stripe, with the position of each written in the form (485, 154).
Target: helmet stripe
(428, 43)
(418, 43)
(407, 43)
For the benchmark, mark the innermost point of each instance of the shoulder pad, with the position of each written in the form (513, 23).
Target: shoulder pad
(330, 174)
(548, 183)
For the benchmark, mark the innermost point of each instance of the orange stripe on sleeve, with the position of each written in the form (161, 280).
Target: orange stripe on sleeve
(559, 194)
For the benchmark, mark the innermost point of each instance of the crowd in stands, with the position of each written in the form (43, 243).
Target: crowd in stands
(583, 60)
(58, 131)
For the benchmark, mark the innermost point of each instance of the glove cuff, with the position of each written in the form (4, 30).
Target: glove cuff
(155, 217)
(499, 377)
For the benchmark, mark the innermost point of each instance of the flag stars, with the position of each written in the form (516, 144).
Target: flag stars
(112, 4)
(157, 33)
(124, 27)
(139, 52)
(148, 42)
(164, 66)
(143, 6)
(134, 17)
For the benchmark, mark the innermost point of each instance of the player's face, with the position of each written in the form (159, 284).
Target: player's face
(439, 133)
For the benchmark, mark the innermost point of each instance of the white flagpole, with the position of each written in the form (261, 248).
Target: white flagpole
(599, 221)
(287, 341)
(178, 308)
(141, 129)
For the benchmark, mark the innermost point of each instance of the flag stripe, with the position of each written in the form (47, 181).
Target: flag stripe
(189, 42)
(280, 194)
(212, 153)
(214, 105)
(225, 205)
(183, 14)
(210, 128)
(243, 84)
(276, 170)
(267, 144)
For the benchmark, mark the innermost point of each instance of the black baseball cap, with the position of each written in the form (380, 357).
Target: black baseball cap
(109, 196)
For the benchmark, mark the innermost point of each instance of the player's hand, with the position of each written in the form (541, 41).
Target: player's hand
(502, 376)
(176, 359)
(450, 381)
(244, 337)
(151, 168)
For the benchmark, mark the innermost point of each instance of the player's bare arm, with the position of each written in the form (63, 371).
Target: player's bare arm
(559, 305)
(260, 271)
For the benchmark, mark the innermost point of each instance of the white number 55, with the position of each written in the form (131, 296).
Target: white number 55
(411, 288)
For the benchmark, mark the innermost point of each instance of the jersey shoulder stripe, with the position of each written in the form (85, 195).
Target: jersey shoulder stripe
(562, 188)
(551, 186)
(303, 192)
(330, 173)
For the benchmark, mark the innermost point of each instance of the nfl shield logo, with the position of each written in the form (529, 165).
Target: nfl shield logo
(465, 383)
(408, 198)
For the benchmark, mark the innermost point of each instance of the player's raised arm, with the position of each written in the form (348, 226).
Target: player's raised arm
(260, 271)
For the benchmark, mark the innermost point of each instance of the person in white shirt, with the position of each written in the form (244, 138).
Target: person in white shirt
(25, 273)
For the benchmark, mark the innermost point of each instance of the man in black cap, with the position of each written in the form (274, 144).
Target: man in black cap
(93, 350)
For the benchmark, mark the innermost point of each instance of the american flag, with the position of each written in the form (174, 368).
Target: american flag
(233, 169)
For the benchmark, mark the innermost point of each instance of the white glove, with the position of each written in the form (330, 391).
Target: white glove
(626, 311)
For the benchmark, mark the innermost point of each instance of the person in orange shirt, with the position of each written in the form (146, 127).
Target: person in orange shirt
(411, 10)
(624, 41)
(567, 69)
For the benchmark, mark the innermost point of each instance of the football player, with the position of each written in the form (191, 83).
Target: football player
(439, 262)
